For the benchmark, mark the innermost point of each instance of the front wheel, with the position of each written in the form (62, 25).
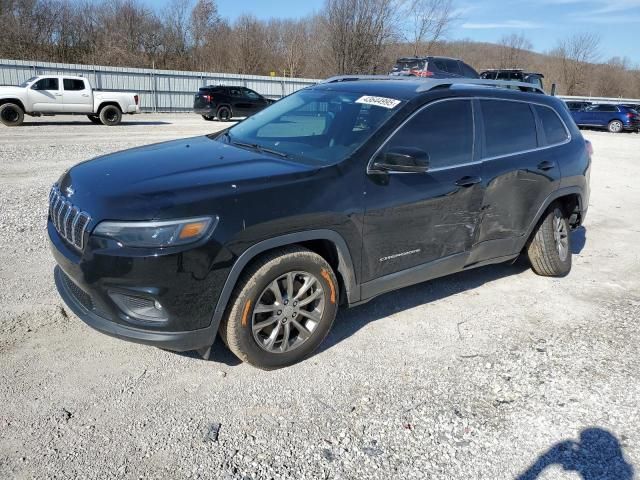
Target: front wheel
(550, 249)
(615, 126)
(208, 118)
(11, 115)
(282, 308)
(110, 115)
(94, 119)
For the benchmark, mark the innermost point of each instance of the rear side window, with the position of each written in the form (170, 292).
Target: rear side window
(453, 67)
(46, 84)
(439, 64)
(467, 71)
(72, 84)
(444, 130)
(554, 130)
(605, 108)
(509, 127)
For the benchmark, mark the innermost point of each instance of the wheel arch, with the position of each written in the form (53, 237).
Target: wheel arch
(326, 243)
(16, 101)
(106, 103)
(572, 202)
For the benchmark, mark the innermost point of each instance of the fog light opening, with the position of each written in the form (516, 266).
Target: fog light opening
(140, 308)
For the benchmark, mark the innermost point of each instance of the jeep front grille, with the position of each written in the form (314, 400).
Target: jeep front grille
(67, 219)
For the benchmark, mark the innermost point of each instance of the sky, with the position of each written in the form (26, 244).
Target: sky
(543, 22)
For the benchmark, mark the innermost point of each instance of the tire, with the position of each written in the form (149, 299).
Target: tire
(550, 248)
(615, 126)
(110, 116)
(224, 114)
(208, 118)
(311, 276)
(94, 119)
(11, 115)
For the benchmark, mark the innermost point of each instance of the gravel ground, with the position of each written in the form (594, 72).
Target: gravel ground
(494, 373)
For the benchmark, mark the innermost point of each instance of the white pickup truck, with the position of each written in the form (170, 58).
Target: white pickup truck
(59, 95)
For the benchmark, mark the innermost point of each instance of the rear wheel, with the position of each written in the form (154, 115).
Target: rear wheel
(282, 308)
(615, 126)
(224, 114)
(11, 115)
(94, 119)
(550, 249)
(110, 115)
(208, 118)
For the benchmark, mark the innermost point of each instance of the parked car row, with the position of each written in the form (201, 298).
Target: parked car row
(614, 118)
(64, 95)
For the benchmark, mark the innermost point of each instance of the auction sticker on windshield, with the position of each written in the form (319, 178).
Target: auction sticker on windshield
(379, 101)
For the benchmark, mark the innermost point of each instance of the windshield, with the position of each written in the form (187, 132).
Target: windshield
(406, 65)
(314, 125)
(26, 83)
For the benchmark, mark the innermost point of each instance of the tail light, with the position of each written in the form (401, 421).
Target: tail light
(207, 98)
(589, 146)
(136, 99)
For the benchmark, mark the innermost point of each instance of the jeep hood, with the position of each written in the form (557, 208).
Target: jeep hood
(153, 181)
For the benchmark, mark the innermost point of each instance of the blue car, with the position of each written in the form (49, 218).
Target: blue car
(615, 118)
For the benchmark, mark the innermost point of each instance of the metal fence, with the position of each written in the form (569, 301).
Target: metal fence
(160, 90)
(630, 101)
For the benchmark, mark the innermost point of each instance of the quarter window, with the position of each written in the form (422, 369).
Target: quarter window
(509, 127)
(443, 130)
(72, 85)
(46, 84)
(554, 130)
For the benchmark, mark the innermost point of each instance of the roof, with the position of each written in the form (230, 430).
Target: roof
(402, 59)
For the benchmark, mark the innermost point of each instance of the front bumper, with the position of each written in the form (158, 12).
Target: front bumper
(176, 341)
(186, 283)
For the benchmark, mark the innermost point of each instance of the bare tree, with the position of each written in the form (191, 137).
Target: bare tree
(357, 31)
(251, 51)
(428, 22)
(575, 53)
(204, 23)
(514, 49)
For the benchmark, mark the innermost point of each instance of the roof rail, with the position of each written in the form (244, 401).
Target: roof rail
(481, 82)
(352, 78)
(432, 83)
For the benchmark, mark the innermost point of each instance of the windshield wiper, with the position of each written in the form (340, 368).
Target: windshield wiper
(259, 148)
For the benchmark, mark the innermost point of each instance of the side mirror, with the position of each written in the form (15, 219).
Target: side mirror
(403, 159)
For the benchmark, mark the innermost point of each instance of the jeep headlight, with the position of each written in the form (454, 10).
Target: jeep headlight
(164, 233)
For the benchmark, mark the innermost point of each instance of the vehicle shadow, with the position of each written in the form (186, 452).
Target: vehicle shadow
(349, 321)
(87, 123)
(578, 239)
(597, 456)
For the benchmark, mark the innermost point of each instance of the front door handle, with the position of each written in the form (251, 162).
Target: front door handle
(468, 181)
(546, 165)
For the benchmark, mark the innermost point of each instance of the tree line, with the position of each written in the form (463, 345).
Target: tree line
(344, 37)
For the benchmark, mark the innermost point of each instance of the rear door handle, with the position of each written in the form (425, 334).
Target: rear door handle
(468, 181)
(546, 165)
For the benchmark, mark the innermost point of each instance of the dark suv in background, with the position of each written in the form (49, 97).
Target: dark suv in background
(332, 196)
(225, 102)
(514, 74)
(433, 67)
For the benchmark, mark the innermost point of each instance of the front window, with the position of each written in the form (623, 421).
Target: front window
(314, 125)
(46, 84)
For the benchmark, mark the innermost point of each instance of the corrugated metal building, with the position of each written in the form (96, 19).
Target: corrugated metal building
(160, 90)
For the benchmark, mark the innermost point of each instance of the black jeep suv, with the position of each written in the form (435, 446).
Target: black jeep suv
(336, 194)
(225, 102)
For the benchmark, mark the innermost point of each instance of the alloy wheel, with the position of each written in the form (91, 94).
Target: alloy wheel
(560, 235)
(288, 311)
